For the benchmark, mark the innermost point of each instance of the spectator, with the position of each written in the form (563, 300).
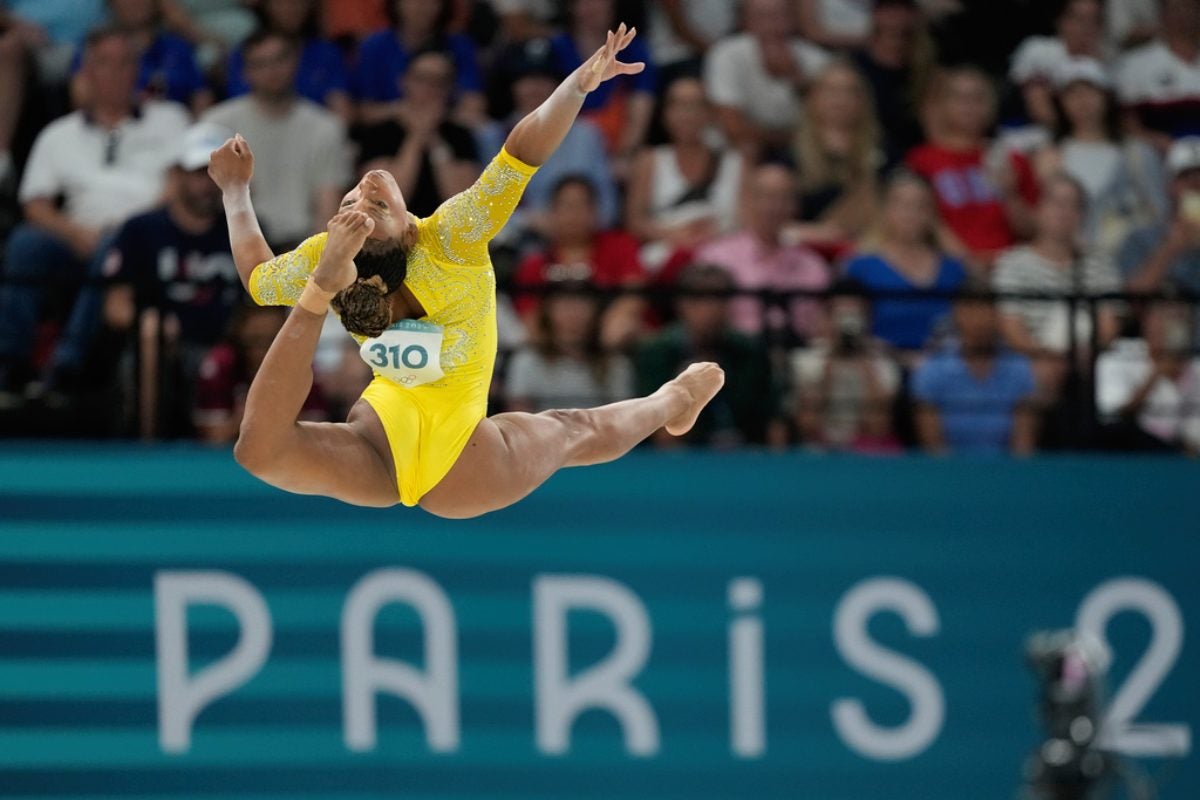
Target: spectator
(177, 260)
(1123, 175)
(568, 368)
(531, 72)
(759, 257)
(108, 161)
(986, 202)
(901, 257)
(845, 383)
(383, 59)
(212, 26)
(895, 62)
(1054, 264)
(747, 410)
(579, 250)
(974, 397)
(1159, 83)
(1038, 61)
(299, 146)
(838, 155)
(685, 191)
(836, 24)
(320, 73)
(228, 370)
(621, 108)
(431, 157)
(756, 78)
(167, 69)
(1148, 389)
(1166, 256)
(682, 31)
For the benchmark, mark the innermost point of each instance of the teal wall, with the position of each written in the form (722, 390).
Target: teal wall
(1000, 549)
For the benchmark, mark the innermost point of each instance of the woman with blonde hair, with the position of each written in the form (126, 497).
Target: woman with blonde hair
(902, 264)
(838, 154)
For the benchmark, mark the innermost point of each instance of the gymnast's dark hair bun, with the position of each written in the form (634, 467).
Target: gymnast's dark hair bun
(364, 307)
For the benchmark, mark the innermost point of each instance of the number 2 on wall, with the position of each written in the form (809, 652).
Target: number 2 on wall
(1118, 731)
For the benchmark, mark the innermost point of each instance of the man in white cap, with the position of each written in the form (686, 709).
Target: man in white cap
(1166, 257)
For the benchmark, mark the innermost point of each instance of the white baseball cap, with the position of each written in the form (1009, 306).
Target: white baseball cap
(1082, 70)
(1183, 156)
(199, 142)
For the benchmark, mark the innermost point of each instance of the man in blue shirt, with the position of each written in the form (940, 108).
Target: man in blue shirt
(974, 397)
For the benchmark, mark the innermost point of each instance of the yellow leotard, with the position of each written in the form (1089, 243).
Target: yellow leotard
(450, 274)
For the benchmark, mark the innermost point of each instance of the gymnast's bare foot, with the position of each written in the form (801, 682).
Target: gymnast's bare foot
(700, 383)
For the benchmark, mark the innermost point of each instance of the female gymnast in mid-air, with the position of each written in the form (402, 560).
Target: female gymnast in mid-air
(420, 297)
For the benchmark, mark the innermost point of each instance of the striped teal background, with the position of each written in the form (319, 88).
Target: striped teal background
(1002, 549)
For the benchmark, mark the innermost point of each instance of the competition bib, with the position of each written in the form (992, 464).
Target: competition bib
(409, 353)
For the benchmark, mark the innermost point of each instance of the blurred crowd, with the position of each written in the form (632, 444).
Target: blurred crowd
(959, 225)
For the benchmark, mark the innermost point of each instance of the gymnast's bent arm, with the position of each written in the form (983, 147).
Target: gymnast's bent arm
(539, 134)
(231, 166)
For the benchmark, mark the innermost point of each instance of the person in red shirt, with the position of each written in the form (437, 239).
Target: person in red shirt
(578, 251)
(985, 195)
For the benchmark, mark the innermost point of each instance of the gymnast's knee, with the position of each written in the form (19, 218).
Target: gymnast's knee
(255, 453)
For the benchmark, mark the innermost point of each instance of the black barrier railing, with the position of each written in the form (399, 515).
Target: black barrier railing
(156, 351)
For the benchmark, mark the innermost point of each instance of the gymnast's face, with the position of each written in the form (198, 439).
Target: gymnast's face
(378, 196)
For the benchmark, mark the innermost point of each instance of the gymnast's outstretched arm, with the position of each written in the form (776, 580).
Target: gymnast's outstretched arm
(334, 459)
(231, 166)
(539, 134)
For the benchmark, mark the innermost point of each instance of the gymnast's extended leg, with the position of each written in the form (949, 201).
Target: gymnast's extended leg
(510, 455)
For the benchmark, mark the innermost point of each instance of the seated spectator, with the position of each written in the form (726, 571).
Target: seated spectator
(756, 78)
(621, 107)
(568, 368)
(896, 61)
(1054, 264)
(1123, 175)
(900, 264)
(838, 155)
(1166, 256)
(986, 206)
(532, 75)
(1148, 389)
(1159, 82)
(973, 396)
(177, 260)
(167, 69)
(228, 370)
(431, 157)
(299, 147)
(577, 249)
(747, 410)
(836, 24)
(320, 74)
(108, 161)
(417, 26)
(845, 383)
(683, 31)
(1038, 61)
(685, 191)
(759, 257)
